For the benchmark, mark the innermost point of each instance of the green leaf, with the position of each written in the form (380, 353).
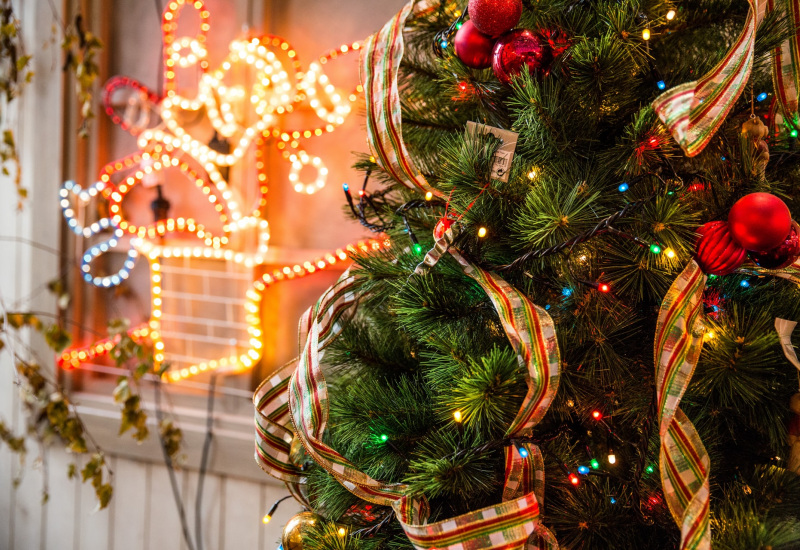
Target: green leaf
(57, 338)
(123, 391)
(72, 471)
(104, 493)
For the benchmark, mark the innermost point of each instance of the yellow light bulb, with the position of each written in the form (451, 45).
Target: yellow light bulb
(342, 531)
(646, 34)
(532, 174)
(670, 15)
(266, 519)
(669, 253)
(457, 416)
(612, 458)
(428, 196)
(482, 232)
(710, 335)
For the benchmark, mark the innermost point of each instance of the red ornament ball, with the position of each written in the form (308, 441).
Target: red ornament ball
(782, 255)
(519, 48)
(440, 228)
(494, 17)
(473, 48)
(760, 221)
(715, 250)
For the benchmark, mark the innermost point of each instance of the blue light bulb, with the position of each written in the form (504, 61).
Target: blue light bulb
(345, 187)
(566, 292)
(661, 84)
(745, 283)
(443, 44)
(523, 452)
(613, 500)
(583, 470)
(762, 96)
(623, 187)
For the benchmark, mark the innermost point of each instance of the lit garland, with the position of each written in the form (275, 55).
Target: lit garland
(248, 120)
(152, 330)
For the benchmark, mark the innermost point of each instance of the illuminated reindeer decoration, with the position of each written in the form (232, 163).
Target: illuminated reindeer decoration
(217, 326)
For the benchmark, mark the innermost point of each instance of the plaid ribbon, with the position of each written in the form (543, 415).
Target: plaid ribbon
(694, 111)
(684, 461)
(515, 522)
(785, 60)
(380, 64)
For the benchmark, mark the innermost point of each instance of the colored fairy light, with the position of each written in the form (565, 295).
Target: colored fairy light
(594, 464)
(603, 287)
(428, 196)
(613, 500)
(417, 248)
(744, 283)
(670, 15)
(622, 187)
(341, 531)
(762, 96)
(345, 187)
(661, 85)
(459, 25)
(583, 470)
(655, 248)
(597, 415)
(523, 452)
(669, 253)
(709, 335)
(574, 479)
(384, 437)
(532, 174)
(482, 232)
(646, 34)
(650, 469)
(266, 519)
(457, 416)
(566, 292)
(443, 44)
(612, 458)
(793, 133)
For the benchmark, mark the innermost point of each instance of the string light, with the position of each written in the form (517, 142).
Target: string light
(532, 174)
(341, 531)
(623, 187)
(650, 469)
(266, 519)
(669, 253)
(457, 416)
(761, 97)
(384, 438)
(566, 292)
(482, 232)
(603, 287)
(583, 470)
(594, 464)
(646, 34)
(613, 500)
(574, 479)
(661, 85)
(709, 335)
(670, 15)
(744, 283)
(655, 248)
(612, 458)
(428, 196)
(523, 452)
(597, 415)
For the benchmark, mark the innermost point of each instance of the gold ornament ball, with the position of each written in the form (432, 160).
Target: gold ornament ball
(297, 529)
(297, 453)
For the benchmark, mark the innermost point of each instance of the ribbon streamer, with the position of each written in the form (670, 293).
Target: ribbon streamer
(685, 464)
(380, 64)
(786, 80)
(694, 111)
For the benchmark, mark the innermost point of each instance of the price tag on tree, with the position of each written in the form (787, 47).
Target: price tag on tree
(504, 154)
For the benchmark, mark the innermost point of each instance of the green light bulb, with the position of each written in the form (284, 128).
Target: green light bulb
(793, 133)
(384, 437)
(459, 25)
(650, 469)
(595, 465)
(417, 248)
(655, 249)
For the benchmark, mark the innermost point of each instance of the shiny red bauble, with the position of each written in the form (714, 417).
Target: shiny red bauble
(715, 250)
(494, 17)
(760, 221)
(473, 48)
(440, 228)
(517, 49)
(782, 255)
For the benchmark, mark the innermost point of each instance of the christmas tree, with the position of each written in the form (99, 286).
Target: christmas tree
(580, 334)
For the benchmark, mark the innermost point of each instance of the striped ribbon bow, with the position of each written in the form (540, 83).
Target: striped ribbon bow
(515, 523)
(694, 111)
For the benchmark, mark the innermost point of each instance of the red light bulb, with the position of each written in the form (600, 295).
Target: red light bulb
(597, 415)
(604, 287)
(574, 479)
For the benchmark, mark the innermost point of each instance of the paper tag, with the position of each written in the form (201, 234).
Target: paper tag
(784, 329)
(505, 154)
